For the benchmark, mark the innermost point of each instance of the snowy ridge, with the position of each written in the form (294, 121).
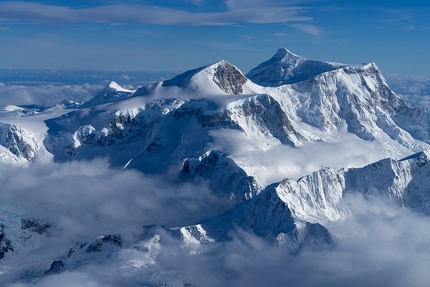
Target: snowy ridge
(162, 124)
(227, 179)
(318, 197)
(286, 67)
(17, 146)
(225, 76)
(112, 93)
(213, 135)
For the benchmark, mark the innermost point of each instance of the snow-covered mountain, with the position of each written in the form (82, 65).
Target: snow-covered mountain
(288, 68)
(278, 150)
(112, 93)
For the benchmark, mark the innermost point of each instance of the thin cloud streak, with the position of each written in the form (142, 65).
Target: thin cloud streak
(50, 14)
(310, 29)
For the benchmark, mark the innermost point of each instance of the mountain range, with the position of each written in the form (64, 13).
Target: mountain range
(279, 149)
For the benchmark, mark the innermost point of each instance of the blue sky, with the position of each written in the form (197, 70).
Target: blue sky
(173, 35)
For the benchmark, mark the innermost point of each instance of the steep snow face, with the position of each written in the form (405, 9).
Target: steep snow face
(335, 97)
(164, 132)
(165, 123)
(88, 133)
(200, 110)
(315, 197)
(318, 197)
(182, 121)
(226, 178)
(112, 93)
(405, 181)
(357, 100)
(16, 145)
(268, 215)
(263, 115)
(288, 68)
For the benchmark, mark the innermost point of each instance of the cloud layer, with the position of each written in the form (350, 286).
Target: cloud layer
(381, 244)
(415, 90)
(45, 94)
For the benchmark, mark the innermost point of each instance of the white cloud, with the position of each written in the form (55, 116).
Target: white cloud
(196, 2)
(409, 28)
(45, 94)
(380, 245)
(415, 90)
(310, 29)
(41, 13)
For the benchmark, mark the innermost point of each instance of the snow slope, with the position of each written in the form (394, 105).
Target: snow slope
(286, 67)
(277, 152)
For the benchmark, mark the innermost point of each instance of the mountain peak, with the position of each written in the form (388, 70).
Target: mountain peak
(286, 67)
(227, 77)
(112, 93)
(114, 86)
(283, 53)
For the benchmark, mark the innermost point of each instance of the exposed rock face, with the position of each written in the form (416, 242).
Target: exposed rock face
(229, 78)
(227, 179)
(264, 114)
(5, 243)
(317, 237)
(37, 225)
(56, 267)
(268, 216)
(113, 239)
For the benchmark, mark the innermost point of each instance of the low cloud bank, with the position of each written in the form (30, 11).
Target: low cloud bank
(380, 244)
(45, 95)
(415, 90)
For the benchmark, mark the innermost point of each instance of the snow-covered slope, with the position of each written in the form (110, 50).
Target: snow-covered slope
(112, 93)
(318, 196)
(226, 178)
(340, 103)
(277, 153)
(16, 145)
(286, 67)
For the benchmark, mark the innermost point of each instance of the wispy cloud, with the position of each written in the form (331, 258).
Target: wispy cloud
(310, 29)
(334, 7)
(42, 13)
(196, 2)
(397, 15)
(409, 28)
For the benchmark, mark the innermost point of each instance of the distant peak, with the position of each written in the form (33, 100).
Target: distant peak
(283, 53)
(222, 64)
(114, 86)
(286, 67)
